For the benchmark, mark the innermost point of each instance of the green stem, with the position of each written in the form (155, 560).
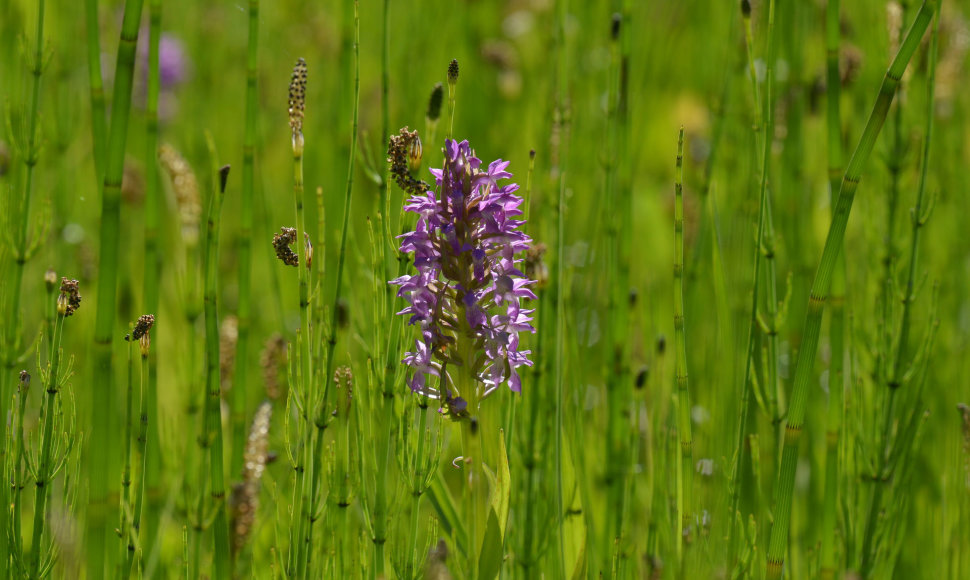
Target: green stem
(102, 409)
(560, 400)
(685, 504)
(45, 470)
(135, 546)
(244, 241)
(804, 368)
(126, 469)
(305, 374)
(213, 415)
(99, 127)
(837, 322)
(762, 127)
(895, 379)
(154, 209)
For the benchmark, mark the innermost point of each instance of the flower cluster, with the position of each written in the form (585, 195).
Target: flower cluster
(467, 291)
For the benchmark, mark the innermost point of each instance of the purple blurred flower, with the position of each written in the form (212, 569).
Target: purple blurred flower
(467, 290)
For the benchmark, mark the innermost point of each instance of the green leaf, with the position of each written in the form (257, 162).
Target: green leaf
(501, 487)
(490, 560)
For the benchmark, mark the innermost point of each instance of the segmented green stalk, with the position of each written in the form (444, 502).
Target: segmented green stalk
(102, 377)
(322, 413)
(99, 129)
(804, 368)
(125, 507)
(685, 504)
(21, 249)
(837, 320)
(212, 422)
(45, 467)
(136, 549)
(244, 242)
(305, 375)
(618, 384)
(154, 209)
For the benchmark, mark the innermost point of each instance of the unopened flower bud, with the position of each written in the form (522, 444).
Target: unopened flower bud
(24, 382)
(453, 72)
(297, 104)
(414, 154)
(50, 279)
(69, 299)
(434, 103)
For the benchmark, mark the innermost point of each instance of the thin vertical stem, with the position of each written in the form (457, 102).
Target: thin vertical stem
(99, 129)
(562, 105)
(244, 241)
(837, 321)
(136, 549)
(685, 504)
(154, 208)
(102, 409)
(212, 421)
(45, 471)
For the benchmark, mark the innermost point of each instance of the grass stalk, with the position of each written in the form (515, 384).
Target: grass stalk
(102, 409)
(212, 421)
(804, 369)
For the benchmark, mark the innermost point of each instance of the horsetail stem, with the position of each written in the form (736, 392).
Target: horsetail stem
(297, 107)
(102, 374)
(67, 302)
(154, 209)
(820, 287)
(837, 321)
(685, 506)
(244, 243)
(136, 547)
(212, 421)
